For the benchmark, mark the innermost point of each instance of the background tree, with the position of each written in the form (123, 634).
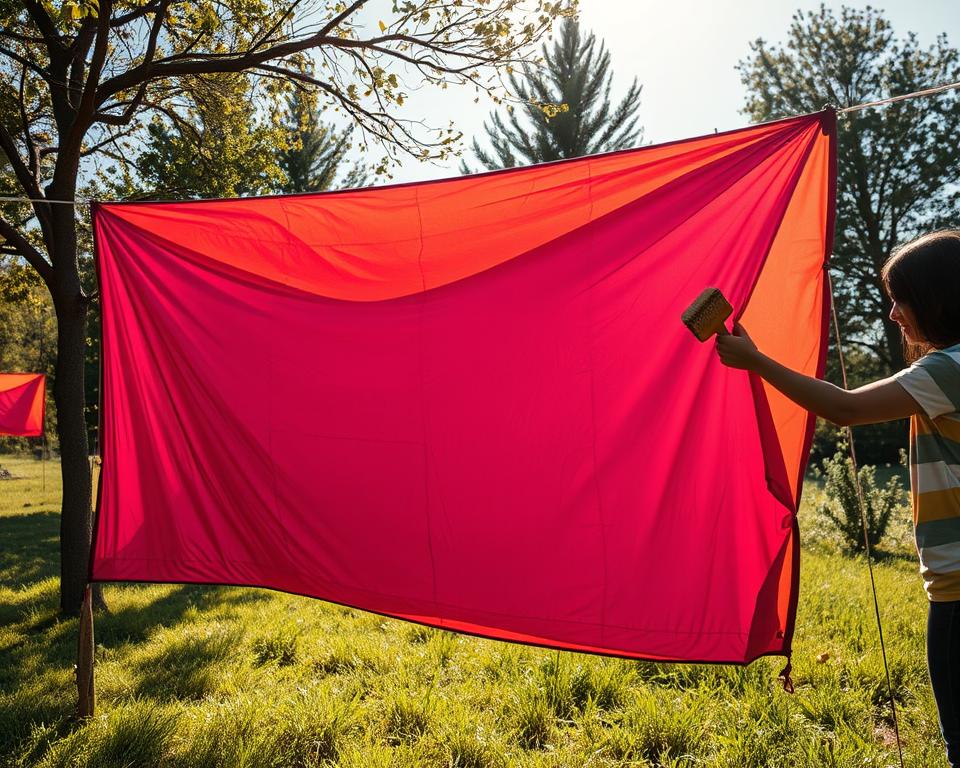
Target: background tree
(215, 147)
(314, 153)
(82, 77)
(218, 144)
(566, 107)
(897, 165)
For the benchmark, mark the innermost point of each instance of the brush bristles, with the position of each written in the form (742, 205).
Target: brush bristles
(706, 315)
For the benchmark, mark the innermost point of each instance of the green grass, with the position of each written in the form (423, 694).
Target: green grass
(210, 677)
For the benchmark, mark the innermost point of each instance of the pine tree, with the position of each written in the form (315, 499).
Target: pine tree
(567, 107)
(315, 151)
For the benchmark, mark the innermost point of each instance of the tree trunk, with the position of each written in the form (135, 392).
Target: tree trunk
(76, 517)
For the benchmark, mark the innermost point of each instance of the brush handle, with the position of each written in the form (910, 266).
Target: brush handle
(722, 330)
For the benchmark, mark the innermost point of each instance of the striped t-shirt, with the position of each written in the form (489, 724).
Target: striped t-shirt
(934, 382)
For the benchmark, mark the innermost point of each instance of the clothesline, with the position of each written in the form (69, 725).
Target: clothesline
(904, 97)
(842, 111)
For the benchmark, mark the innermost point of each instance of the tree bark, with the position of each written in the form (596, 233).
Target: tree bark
(76, 517)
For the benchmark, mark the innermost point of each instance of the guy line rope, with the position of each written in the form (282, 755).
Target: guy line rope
(863, 519)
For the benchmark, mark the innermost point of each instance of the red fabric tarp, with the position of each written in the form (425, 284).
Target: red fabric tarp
(22, 403)
(471, 402)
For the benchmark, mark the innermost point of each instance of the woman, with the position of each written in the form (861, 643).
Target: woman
(922, 280)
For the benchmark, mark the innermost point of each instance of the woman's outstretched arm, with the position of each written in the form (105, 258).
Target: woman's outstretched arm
(883, 400)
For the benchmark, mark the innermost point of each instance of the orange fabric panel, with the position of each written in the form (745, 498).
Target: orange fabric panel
(784, 313)
(421, 236)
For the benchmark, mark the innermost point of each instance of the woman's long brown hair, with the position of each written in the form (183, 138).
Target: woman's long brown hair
(924, 275)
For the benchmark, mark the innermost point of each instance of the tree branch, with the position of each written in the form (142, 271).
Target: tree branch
(44, 23)
(25, 62)
(155, 32)
(78, 59)
(382, 119)
(25, 249)
(112, 138)
(69, 154)
(135, 14)
(336, 20)
(34, 162)
(213, 64)
(22, 172)
(127, 115)
(21, 38)
(283, 17)
(87, 104)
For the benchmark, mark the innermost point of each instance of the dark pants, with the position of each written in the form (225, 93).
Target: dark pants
(943, 659)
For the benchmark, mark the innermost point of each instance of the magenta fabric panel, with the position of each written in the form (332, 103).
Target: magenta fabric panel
(539, 451)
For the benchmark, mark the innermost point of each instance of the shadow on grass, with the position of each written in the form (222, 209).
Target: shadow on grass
(135, 623)
(884, 556)
(38, 646)
(187, 668)
(51, 640)
(29, 552)
(36, 681)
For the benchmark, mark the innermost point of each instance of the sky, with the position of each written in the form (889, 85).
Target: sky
(683, 53)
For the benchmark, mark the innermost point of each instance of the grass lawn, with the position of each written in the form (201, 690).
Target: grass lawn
(196, 677)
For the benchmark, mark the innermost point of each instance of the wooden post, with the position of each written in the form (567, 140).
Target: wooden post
(87, 699)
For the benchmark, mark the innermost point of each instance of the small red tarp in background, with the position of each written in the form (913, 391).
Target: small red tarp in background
(471, 403)
(22, 404)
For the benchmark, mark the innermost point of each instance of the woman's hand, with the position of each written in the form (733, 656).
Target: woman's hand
(738, 350)
(883, 400)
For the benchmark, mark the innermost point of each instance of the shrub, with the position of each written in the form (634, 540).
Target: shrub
(843, 505)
